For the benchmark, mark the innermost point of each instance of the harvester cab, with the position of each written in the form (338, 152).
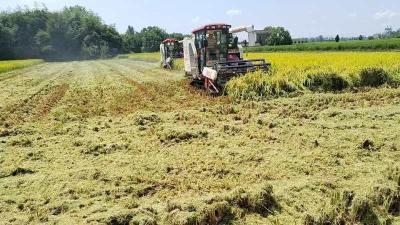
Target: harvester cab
(170, 49)
(213, 56)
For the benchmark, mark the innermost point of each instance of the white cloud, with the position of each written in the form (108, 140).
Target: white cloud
(234, 12)
(385, 14)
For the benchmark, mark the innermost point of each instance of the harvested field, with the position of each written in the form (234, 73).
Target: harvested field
(124, 142)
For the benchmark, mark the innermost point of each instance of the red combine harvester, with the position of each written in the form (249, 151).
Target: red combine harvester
(213, 56)
(170, 49)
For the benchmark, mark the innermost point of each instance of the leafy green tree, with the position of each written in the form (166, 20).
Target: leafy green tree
(130, 31)
(278, 36)
(72, 33)
(42, 42)
(112, 39)
(397, 33)
(91, 46)
(151, 38)
(78, 33)
(337, 38)
(23, 26)
(69, 29)
(388, 31)
(6, 42)
(104, 50)
(177, 36)
(131, 41)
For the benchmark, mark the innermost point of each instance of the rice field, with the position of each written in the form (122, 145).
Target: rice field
(9, 65)
(293, 73)
(392, 44)
(123, 141)
(317, 72)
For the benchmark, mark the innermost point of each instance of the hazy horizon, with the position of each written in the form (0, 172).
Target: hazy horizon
(308, 18)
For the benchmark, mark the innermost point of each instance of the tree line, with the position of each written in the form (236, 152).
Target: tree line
(276, 36)
(78, 33)
(72, 33)
(388, 33)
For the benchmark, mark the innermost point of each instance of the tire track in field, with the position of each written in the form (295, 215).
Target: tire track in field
(27, 84)
(150, 70)
(37, 105)
(143, 96)
(140, 87)
(166, 95)
(140, 75)
(92, 91)
(49, 101)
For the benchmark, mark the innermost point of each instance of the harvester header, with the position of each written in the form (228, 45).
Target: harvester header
(213, 56)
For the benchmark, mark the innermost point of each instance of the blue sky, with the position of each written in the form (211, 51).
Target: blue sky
(306, 18)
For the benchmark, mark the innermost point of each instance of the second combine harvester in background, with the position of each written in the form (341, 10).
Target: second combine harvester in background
(170, 49)
(213, 56)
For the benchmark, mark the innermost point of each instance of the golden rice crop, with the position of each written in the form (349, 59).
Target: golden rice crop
(178, 64)
(332, 71)
(9, 65)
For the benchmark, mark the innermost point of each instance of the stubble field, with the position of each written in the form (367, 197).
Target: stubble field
(124, 142)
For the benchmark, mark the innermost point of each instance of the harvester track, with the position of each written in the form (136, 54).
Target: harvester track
(39, 103)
